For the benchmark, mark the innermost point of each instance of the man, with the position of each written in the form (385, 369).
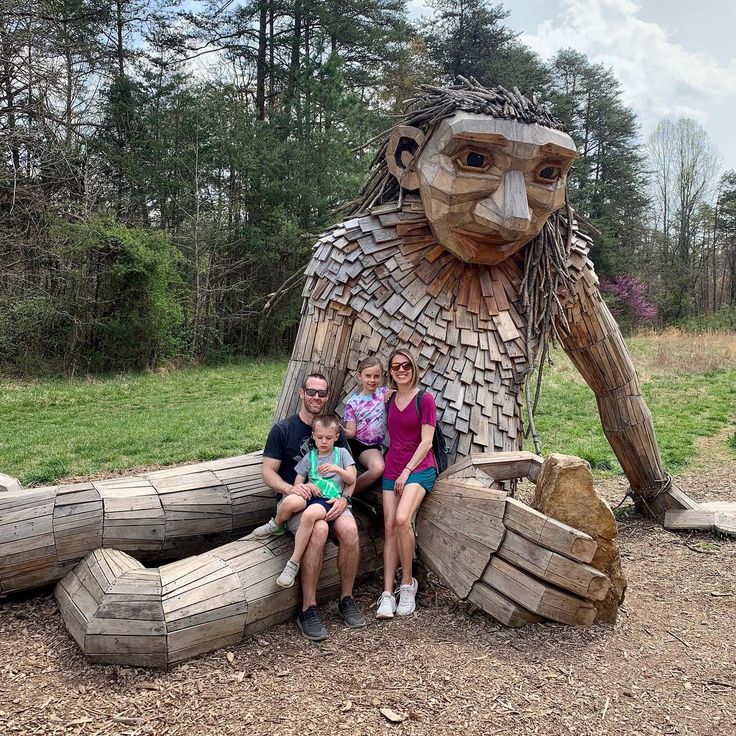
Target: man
(462, 247)
(288, 441)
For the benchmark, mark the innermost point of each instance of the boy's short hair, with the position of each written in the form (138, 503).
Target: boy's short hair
(327, 421)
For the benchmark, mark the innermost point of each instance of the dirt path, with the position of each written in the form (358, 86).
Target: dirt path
(667, 667)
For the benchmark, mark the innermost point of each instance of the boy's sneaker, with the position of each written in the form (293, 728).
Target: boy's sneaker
(386, 605)
(351, 614)
(310, 625)
(288, 576)
(270, 529)
(407, 593)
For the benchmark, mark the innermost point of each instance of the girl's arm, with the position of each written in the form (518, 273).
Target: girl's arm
(350, 429)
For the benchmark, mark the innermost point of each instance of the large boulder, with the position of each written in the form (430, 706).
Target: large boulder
(565, 492)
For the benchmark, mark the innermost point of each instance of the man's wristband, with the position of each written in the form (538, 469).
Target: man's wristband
(349, 499)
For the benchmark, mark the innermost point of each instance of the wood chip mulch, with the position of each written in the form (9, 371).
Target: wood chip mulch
(667, 667)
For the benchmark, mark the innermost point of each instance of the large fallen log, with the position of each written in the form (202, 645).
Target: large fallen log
(120, 612)
(165, 514)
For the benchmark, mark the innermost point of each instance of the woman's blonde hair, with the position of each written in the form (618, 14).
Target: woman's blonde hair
(414, 368)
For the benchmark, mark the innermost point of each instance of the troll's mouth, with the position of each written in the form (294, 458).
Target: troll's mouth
(481, 240)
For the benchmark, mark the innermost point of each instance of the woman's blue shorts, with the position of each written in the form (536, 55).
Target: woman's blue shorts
(425, 478)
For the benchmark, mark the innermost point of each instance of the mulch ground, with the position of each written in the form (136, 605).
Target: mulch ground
(667, 667)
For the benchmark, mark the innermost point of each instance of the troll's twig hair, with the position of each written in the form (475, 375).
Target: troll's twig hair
(428, 108)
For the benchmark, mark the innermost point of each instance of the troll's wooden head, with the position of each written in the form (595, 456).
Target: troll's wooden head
(490, 166)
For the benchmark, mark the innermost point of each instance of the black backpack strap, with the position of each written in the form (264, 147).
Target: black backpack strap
(419, 396)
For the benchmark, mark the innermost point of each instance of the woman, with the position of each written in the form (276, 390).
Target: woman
(409, 475)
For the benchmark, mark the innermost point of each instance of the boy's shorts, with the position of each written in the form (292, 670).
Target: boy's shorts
(293, 523)
(425, 478)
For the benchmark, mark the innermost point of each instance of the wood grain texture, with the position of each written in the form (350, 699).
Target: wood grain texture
(119, 612)
(178, 511)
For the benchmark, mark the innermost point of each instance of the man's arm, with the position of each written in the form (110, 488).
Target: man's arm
(271, 477)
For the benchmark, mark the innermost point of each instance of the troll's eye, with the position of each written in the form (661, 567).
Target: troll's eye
(475, 160)
(549, 173)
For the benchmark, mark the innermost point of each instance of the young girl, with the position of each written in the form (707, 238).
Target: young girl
(410, 473)
(365, 421)
(328, 469)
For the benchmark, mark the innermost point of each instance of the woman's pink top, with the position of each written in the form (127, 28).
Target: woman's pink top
(405, 434)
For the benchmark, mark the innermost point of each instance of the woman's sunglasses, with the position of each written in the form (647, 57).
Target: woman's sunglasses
(321, 392)
(401, 366)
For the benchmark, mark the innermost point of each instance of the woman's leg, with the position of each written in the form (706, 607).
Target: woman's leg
(292, 504)
(411, 497)
(390, 546)
(372, 461)
(314, 513)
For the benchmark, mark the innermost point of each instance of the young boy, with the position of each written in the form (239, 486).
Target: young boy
(328, 470)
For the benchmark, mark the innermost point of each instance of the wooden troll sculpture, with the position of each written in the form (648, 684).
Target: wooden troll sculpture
(463, 249)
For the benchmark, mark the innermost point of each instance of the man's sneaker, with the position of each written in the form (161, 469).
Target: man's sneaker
(288, 576)
(351, 614)
(386, 605)
(270, 529)
(407, 593)
(310, 625)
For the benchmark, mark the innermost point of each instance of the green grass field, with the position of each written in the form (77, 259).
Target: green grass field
(53, 430)
(59, 429)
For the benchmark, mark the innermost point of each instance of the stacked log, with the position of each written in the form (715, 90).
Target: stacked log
(175, 512)
(119, 612)
(519, 565)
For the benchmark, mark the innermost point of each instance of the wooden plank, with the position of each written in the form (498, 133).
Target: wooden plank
(228, 607)
(501, 608)
(689, 519)
(576, 577)
(465, 525)
(130, 607)
(114, 627)
(548, 532)
(538, 597)
(459, 565)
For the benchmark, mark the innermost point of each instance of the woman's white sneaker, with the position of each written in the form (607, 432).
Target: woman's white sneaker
(407, 595)
(386, 605)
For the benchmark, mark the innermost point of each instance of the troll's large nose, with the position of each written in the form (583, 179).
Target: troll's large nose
(507, 209)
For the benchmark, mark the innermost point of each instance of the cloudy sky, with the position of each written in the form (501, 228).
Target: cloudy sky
(673, 58)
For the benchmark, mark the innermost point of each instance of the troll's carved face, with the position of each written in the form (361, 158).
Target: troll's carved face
(487, 185)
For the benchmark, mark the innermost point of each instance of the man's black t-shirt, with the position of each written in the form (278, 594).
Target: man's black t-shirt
(288, 441)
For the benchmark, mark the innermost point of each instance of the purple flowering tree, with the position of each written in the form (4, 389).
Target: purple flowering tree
(626, 298)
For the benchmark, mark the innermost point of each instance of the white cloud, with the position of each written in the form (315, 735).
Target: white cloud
(660, 78)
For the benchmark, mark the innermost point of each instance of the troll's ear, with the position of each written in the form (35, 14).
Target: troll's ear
(403, 145)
